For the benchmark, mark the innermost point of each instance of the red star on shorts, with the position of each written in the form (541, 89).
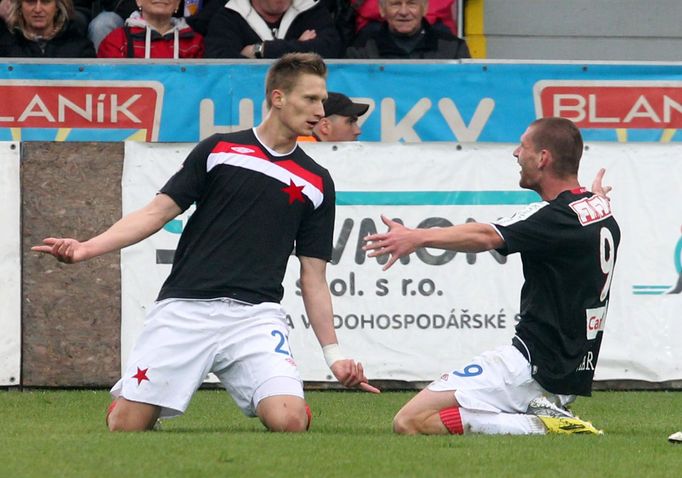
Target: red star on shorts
(295, 192)
(141, 376)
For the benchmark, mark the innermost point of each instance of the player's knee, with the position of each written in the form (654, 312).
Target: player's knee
(117, 423)
(119, 420)
(404, 424)
(291, 421)
(120, 424)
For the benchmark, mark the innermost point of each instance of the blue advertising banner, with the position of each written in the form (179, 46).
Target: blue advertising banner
(469, 101)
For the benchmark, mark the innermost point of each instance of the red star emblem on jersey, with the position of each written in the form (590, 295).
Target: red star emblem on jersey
(295, 192)
(141, 375)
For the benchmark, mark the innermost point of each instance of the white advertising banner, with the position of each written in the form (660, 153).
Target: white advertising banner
(10, 265)
(435, 310)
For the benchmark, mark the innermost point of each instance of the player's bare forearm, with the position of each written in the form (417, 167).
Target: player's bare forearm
(470, 237)
(400, 241)
(318, 306)
(317, 299)
(136, 226)
(130, 229)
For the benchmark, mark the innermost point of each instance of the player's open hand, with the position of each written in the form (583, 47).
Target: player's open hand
(397, 242)
(351, 374)
(65, 250)
(598, 188)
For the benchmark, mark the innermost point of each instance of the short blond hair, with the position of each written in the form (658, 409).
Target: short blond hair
(284, 73)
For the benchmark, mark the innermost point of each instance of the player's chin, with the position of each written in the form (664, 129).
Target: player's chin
(307, 128)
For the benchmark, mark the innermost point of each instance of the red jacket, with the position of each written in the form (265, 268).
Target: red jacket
(138, 40)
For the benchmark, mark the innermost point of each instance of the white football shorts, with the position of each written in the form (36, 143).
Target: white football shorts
(246, 346)
(496, 381)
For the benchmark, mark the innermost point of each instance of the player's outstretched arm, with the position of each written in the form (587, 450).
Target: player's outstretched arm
(128, 230)
(318, 306)
(400, 241)
(598, 188)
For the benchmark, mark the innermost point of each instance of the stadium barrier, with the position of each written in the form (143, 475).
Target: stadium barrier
(463, 101)
(407, 325)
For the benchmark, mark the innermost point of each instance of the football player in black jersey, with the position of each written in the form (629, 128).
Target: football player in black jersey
(258, 196)
(568, 245)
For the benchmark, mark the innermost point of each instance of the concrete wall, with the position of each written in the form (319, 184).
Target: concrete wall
(622, 30)
(70, 313)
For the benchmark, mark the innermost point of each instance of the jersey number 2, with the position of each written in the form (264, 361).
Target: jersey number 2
(282, 342)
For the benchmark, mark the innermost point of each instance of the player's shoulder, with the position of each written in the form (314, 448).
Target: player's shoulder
(238, 141)
(585, 206)
(243, 136)
(212, 140)
(529, 211)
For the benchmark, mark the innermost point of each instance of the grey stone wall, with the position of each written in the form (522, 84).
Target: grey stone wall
(70, 313)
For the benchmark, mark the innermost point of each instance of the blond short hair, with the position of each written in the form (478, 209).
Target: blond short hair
(284, 73)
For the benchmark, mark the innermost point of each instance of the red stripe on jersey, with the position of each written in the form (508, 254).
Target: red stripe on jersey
(301, 172)
(244, 149)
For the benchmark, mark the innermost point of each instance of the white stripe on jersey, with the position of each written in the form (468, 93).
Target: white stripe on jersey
(521, 215)
(269, 169)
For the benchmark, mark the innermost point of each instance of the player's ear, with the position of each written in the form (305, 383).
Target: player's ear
(544, 158)
(277, 98)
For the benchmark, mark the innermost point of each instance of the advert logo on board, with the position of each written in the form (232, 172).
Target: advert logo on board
(77, 104)
(611, 104)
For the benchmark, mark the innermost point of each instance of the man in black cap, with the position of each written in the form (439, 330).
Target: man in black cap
(340, 121)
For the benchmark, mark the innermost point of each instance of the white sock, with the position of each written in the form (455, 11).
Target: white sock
(489, 423)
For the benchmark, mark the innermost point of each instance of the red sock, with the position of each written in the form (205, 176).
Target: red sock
(309, 414)
(452, 420)
(112, 405)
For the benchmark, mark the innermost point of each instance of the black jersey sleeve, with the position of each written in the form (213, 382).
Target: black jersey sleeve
(315, 236)
(186, 186)
(535, 228)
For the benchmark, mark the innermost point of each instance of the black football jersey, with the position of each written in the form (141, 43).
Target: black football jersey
(253, 206)
(568, 250)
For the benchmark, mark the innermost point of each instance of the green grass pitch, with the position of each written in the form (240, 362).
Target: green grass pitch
(62, 434)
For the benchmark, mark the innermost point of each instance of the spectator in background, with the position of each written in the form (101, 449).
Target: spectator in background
(405, 34)
(42, 29)
(340, 121)
(271, 28)
(153, 32)
(357, 15)
(197, 14)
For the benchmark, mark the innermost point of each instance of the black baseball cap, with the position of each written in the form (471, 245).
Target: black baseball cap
(339, 104)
